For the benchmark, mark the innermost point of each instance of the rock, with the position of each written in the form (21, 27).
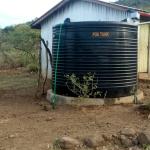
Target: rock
(107, 138)
(149, 116)
(115, 139)
(144, 138)
(116, 147)
(104, 148)
(4, 121)
(108, 124)
(93, 141)
(135, 141)
(128, 132)
(45, 108)
(84, 110)
(12, 136)
(148, 86)
(14, 115)
(49, 119)
(125, 141)
(108, 147)
(68, 143)
(89, 142)
(135, 148)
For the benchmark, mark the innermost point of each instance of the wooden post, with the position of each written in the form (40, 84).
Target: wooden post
(148, 50)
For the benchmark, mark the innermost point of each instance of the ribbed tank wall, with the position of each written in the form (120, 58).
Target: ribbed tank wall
(106, 49)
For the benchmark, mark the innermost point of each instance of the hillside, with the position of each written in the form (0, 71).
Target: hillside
(142, 4)
(19, 46)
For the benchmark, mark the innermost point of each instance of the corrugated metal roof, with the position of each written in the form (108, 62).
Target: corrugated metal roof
(37, 22)
(145, 23)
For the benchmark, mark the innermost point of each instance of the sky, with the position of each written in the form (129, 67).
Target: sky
(19, 11)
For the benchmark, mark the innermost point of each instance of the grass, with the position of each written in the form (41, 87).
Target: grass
(14, 59)
(17, 81)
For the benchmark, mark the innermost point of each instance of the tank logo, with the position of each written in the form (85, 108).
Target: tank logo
(100, 34)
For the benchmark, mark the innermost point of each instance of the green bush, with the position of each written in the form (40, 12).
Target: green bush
(19, 47)
(84, 87)
(14, 59)
(146, 147)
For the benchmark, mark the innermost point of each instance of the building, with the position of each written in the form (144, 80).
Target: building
(144, 48)
(82, 10)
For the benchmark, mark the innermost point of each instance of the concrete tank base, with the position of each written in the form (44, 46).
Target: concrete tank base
(62, 100)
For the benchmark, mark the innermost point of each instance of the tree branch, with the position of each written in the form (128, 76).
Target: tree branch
(47, 49)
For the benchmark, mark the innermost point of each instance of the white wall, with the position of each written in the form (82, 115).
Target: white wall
(78, 11)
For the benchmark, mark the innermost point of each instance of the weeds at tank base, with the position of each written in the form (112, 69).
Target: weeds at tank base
(84, 87)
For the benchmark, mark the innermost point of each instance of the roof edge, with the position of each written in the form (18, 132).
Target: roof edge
(37, 23)
(143, 23)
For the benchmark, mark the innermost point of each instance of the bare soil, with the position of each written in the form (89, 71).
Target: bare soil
(28, 123)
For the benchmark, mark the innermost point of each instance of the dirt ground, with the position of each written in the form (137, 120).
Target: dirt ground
(28, 123)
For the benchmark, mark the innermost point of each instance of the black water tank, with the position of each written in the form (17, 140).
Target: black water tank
(106, 49)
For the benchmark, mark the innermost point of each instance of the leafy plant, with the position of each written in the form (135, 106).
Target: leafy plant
(146, 147)
(56, 145)
(85, 87)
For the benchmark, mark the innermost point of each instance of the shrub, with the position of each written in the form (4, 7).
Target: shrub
(85, 87)
(56, 145)
(146, 147)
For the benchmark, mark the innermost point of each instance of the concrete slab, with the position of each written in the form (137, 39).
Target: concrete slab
(144, 76)
(62, 100)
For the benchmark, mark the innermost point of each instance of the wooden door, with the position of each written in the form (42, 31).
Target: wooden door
(143, 51)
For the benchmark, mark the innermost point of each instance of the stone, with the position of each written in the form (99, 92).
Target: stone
(144, 138)
(135, 148)
(12, 136)
(4, 121)
(128, 132)
(93, 141)
(115, 139)
(135, 141)
(49, 119)
(125, 141)
(116, 147)
(45, 108)
(104, 148)
(68, 143)
(149, 117)
(107, 138)
(148, 86)
(89, 143)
